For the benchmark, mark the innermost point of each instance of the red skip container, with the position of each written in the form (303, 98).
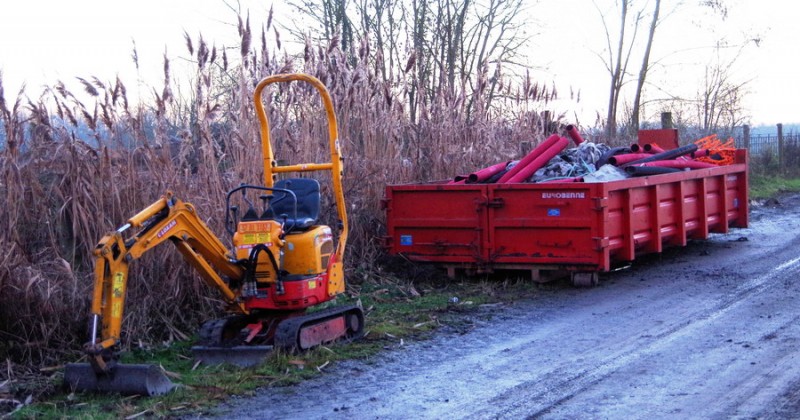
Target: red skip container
(580, 228)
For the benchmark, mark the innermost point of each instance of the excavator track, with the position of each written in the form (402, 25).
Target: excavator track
(307, 331)
(220, 343)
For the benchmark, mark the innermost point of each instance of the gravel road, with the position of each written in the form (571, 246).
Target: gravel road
(706, 331)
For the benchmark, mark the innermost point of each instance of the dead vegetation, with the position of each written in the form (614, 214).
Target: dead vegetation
(75, 165)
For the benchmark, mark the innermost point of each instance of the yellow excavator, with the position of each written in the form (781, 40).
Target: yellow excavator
(282, 263)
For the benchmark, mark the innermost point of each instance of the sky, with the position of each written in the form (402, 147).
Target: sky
(42, 41)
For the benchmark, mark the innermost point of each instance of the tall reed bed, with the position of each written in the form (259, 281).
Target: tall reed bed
(73, 169)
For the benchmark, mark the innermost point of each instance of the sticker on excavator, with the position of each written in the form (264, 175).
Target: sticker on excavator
(554, 212)
(167, 228)
(256, 238)
(406, 240)
(119, 280)
(116, 309)
(312, 284)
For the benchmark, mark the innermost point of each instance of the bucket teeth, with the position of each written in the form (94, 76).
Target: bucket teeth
(146, 380)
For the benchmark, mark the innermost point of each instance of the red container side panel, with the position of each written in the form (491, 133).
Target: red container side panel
(574, 226)
(547, 224)
(437, 223)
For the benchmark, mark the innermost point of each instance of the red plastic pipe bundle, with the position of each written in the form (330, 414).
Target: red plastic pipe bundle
(669, 154)
(652, 148)
(486, 173)
(628, 157)
(529, 158)
(542, 159)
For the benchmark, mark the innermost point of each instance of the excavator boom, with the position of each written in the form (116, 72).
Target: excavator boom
(168, 219)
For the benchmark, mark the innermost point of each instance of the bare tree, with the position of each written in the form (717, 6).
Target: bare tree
(331, 15)
(616, 63)
(617, 59)
(637, 100)
(719, 100)
(446, 43)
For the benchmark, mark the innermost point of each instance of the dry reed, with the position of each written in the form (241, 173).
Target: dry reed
(71, 170)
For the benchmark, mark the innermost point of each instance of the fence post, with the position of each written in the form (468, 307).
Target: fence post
(666, 120)
(780, 148)
(525, 147)
(546, 122)
(746, 137)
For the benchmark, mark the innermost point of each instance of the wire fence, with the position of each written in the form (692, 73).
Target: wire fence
(772, 153)
(768, 143)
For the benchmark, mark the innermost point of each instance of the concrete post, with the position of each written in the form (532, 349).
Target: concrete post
(746, 136)
(781, 152)
(666, 120)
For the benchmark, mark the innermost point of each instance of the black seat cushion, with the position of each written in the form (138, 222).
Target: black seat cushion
(308, 203)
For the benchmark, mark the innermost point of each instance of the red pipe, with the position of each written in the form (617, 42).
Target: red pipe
(652, 148)
(573, 133)
(540, 161)
(679, 163)
(669, 154)
(553, 181)
(628, 157)
(459, 179)
(529, 158)
(635, 148)
(701, 153)
(486, 173)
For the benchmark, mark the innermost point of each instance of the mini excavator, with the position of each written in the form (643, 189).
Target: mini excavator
(282, 263)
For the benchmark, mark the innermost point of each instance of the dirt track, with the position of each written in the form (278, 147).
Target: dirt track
(710, 330)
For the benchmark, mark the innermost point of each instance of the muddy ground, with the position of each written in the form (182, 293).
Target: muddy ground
(707, 331)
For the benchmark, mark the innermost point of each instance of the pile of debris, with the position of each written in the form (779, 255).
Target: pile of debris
(551, 161)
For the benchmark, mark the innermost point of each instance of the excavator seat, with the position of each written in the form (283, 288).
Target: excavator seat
(308, 203)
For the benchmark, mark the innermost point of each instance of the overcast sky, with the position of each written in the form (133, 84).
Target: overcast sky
(44, 41)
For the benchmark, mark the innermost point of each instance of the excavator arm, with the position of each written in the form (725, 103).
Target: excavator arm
(168, 219)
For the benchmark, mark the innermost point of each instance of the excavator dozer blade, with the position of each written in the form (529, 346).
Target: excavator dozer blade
(242, 356)
(146, 380)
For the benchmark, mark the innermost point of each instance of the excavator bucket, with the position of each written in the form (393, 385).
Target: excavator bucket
(146, 380)
(242, 356)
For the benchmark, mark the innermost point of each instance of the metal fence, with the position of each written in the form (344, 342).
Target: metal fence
(768, 143)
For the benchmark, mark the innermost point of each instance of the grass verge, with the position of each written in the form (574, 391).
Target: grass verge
(396, 313)
(766, 186)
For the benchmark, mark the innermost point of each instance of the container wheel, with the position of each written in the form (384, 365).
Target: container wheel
(585, 278)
